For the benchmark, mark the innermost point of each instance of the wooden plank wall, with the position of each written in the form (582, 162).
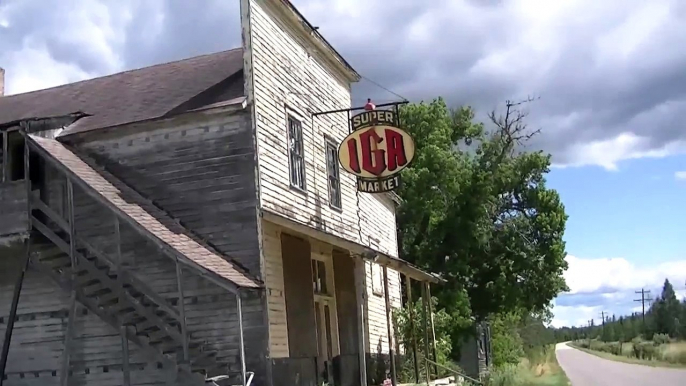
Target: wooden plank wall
(199, 172)
(198, 169)
(289, 77)
(13, 216)
(38, 337)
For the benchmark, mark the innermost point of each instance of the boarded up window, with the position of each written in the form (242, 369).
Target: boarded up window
(296, 153)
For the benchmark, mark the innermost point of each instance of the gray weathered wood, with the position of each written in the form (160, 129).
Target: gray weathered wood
(410, 310)
(5, 157)
(241, 350)
(182, 312)
(389, 311)
(425, 325)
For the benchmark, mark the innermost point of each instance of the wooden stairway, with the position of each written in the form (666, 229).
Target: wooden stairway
(149, 321)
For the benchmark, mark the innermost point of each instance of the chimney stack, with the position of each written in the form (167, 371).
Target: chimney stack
(2, 81)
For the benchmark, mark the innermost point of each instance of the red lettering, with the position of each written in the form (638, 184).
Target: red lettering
(352, 154)
(373, 158)
(396, 149)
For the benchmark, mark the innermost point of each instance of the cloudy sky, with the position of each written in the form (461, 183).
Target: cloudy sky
(610, 77)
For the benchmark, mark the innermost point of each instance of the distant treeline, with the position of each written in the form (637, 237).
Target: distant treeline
(666, 315)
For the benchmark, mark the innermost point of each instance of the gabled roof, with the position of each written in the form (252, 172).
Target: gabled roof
(131, 96)
(152, 221)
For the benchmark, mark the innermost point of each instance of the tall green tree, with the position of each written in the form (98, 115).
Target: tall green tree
(666, 312)
(476, 209)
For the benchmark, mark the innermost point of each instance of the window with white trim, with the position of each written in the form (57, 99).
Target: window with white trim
(296, 153)
(333, 175)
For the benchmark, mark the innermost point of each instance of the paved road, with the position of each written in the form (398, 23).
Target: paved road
(584, 369)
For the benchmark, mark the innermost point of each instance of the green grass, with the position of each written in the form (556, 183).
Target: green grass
(541, 371)
(670, 354)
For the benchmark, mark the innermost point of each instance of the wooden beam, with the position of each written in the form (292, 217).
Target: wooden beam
(391, 349)
(182, 312)
(64, 376)
(125, 356)
(13, 311)
(410, 311)
(431, 326)
(360, 289)
(426, 334)
(241, 341)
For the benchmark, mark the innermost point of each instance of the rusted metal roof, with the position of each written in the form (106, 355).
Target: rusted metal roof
(127, 97)
(155, 221)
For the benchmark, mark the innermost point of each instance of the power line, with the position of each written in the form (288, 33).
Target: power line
(382, 87)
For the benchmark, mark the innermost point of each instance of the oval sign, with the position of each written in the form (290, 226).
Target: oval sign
(376, 149)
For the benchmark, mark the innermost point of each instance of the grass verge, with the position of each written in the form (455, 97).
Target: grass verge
(541, 371)
(630, 360)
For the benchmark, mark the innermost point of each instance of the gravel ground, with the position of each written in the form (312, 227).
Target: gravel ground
(584, 369)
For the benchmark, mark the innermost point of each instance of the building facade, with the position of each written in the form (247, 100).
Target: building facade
(190, 220)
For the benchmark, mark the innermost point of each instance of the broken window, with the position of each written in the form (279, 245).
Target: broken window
(296, 153)
(333, 175)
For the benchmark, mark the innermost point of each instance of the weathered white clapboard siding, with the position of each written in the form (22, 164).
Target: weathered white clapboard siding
(278, 327)
(377, 330)
(290, 77)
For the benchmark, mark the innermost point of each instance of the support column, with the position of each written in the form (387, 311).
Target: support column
(391, 349)
(361, 289)
(410, 311)
(125, 356)
(431, 326)
(426, 334)
(241, 349)
(182, 314)
(64, 376)
(13, 311)
(120, 289)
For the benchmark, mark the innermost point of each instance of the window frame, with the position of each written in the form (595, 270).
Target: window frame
(330, 144)
(377, 275)
(292, 118)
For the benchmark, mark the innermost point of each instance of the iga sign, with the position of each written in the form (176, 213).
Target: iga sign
(376, 151)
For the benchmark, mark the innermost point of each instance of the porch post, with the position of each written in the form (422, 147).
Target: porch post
(241, 342)
(431, 325)
(426, 334)
(410, 311)
(360, 289)
(64, 376)
(391, 350)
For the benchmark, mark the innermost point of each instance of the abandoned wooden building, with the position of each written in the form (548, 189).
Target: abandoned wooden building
(189, 220)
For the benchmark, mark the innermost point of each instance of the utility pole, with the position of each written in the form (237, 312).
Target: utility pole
(643, 300)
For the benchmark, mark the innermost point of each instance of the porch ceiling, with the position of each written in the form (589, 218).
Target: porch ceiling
(359, 250)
